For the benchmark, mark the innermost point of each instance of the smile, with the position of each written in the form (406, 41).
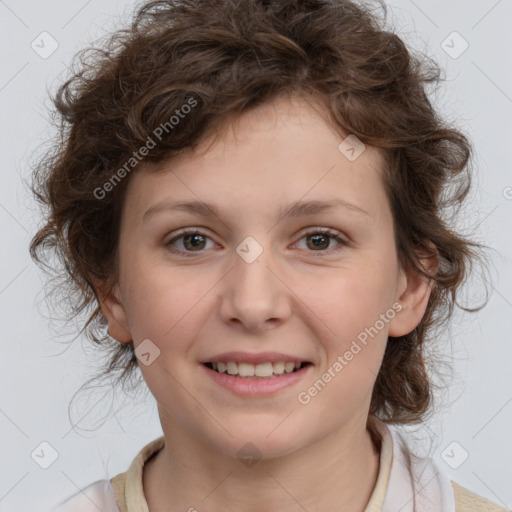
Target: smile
(266, 370)
(256, 380)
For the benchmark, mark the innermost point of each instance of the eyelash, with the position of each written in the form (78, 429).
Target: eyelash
(332, 234)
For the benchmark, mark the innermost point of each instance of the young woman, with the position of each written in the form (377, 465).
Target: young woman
(249, 194)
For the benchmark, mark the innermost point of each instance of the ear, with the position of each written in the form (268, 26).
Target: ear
(114, 311)
(413, 293)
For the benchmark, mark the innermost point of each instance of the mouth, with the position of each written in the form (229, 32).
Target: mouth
(265, 370)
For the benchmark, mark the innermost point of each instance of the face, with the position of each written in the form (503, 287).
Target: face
(263, 282)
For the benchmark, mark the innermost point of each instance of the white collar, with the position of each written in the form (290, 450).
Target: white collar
(416, 484)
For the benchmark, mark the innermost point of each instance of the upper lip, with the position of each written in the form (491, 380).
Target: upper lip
(253, 358)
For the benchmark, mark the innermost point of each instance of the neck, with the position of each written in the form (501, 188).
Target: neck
(189, 474)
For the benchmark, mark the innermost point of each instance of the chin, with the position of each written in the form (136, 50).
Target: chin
(258, 444)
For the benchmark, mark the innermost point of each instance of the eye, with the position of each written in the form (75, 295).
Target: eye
(192, 241)
(319, 240)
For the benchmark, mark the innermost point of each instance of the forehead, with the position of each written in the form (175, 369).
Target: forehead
(277, 153)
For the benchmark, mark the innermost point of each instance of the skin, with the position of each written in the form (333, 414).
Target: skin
(294, 298)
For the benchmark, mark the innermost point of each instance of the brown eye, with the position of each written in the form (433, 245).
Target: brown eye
(318, 241)
(192, 242)
(188, 242)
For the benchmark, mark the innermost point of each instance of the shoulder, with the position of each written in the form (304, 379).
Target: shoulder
(118, 486)
(96, 496)
(467, 501)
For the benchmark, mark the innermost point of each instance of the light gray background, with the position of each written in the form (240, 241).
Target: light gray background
(37, 383)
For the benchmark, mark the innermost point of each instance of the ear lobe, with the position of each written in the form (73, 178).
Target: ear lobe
(413, 297)
(114, 312)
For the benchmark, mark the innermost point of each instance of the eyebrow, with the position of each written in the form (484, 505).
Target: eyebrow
(295, 209)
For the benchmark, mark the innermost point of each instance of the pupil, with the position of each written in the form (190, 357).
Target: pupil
(319, 237)
(196, 243)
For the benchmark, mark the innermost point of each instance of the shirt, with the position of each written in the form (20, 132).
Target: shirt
(404, 483)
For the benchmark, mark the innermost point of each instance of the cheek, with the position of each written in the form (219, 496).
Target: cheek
(160, 301)
(349, 300)
(355, 342)
(352, 314)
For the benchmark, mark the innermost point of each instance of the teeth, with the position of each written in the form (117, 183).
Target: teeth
(232, 368)
(246, 370)
(263, 370)
(289, 367)
(278, 367)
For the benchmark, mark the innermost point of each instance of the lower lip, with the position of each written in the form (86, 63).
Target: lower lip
(257, 387)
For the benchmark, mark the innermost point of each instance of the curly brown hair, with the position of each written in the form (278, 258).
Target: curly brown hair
(230, 56)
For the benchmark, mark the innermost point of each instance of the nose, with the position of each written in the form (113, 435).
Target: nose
(254, 296)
